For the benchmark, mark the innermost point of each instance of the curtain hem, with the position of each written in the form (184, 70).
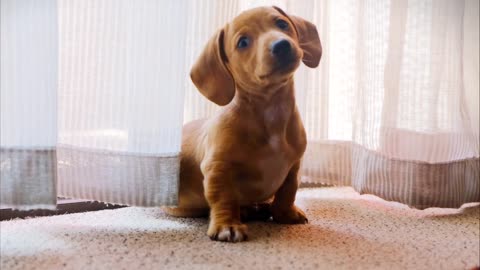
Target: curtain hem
(119, 178)
(28, 178)
(417, 184)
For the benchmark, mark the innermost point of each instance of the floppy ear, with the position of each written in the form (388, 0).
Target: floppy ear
(308, 39)
(210, 74)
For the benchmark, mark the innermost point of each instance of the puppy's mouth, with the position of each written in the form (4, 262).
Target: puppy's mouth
(282, 66)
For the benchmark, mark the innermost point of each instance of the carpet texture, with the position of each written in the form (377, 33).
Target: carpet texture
(346, 231)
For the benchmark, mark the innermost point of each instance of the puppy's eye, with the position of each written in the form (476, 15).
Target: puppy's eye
(282, 24)
(243, 42)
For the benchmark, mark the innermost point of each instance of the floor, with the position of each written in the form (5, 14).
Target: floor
(346, 231)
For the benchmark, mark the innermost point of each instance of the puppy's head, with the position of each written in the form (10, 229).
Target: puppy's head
(259, 49)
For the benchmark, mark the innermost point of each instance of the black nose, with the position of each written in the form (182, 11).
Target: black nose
(281, 48)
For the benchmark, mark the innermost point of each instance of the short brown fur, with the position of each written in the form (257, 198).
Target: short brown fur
(250, 151)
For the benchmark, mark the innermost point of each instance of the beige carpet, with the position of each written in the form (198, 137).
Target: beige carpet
(346, 231)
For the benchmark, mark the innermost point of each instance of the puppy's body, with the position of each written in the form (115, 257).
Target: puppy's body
(250, 151)
(259, 141)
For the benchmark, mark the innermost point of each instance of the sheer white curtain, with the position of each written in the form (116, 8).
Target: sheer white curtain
(28, 115)
(121, 74)
(92, 97)
(92, 101)
(407, 104)
(393, 109)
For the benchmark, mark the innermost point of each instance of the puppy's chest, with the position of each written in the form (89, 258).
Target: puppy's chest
(273, 155)
(274, 159)
(272, 164)
(275, 118)
(277, 158)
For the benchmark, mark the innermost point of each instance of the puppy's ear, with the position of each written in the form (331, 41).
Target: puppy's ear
(210, 74)
(308, 39)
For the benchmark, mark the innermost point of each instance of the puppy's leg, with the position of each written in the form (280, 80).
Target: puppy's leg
(283, 208)
(225, 224)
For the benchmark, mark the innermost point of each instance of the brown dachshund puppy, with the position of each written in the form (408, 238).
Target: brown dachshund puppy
(250, 151)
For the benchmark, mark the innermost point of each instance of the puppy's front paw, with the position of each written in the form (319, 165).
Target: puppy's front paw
(227, 232)
(292, 215)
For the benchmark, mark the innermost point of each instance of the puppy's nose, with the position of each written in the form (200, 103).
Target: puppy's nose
(281, 47)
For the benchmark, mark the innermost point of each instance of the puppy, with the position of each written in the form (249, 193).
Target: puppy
(250, 151)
